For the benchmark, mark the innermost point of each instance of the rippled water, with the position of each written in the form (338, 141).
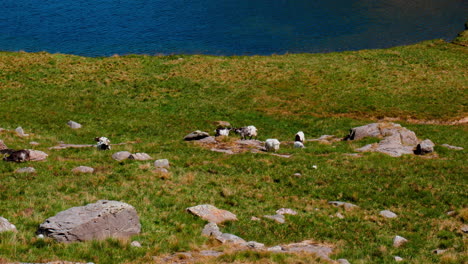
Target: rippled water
(226, 27)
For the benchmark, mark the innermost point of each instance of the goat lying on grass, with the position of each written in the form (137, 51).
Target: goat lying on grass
(15, 155)
(244, 132)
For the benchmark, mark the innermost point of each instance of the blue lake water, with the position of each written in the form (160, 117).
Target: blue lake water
(223, 27)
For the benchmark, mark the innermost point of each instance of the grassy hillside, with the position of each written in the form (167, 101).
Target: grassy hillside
(156, 100)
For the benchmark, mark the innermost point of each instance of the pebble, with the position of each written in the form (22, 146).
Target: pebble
(297, 174)
(254, 245)
(399, 241)
(20, 132)
(314, 166)
(254, 218)
(73, 124)
(83, 169)
(287, 211)
(347, 206)
(398, 259)
(135, 244)
(388, 214)
(439, 251)
(464, 228)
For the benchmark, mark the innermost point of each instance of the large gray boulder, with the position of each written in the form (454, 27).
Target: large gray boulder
(99, 220)
(37, 155)
(425, 147)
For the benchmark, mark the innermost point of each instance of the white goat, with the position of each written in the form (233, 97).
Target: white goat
(222, 132)
(300, 137)
(103, 143)
(244, 132)
(272, 144)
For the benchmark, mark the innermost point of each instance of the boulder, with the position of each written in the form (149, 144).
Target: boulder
(212, 214)
(162, 163)
(196, 135)
(73, 125)
(96, 221)
(272, 144)
(140, 156)
(425, 147)
(5, 225)
(25, 170)
(37, 155)
(370, 130)
(121, 155)
(83, 169)
(34, 143)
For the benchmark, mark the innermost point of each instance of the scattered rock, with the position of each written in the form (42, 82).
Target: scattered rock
(99, 221)
(83, 169)
(140, 156)
(222, 124)
(272, 144)
(2, 145)
(230, 238)
(439, 251)
(227, 151)
(135, 244)
(211, 213)
(398, 241)
(211, 230)
(451, 147)
(37, 155)
(275, 249)
(308, 246)
(346, 206)
(26, 170)
(211, 253)
(162, 163)
(339, 215)
(254, 218)
(34, 143)
(121, 155)
(314, 167)
(284, 211)
(5, 225)
(254, 245)
(20, 132)
(464, 228)
(388, 214)
(278, 218)
(451, 213)
(355, 155)
(208, 140)
(425, 147)
(398, 259)
(343, 261)
(298, 144)
(73, 124)
(297, 174)
(196, 135)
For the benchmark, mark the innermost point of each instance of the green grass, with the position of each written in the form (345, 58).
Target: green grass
(157, 100)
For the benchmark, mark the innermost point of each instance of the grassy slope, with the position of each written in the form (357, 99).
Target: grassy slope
(157, 100)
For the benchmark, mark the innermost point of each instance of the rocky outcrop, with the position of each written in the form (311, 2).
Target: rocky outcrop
(99, 220)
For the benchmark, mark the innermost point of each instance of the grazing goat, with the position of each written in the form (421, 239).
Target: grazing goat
(272, 144)
(300, 137)
(103, 143)
(15, 155)
(222, 132)
(244, 132)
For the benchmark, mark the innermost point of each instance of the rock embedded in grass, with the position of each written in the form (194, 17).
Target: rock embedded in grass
(399, 241)
(83, 169)
(162, 163)
(135, 244)
(25, 170)
(398, 259)
(96, 221)
(5, 225)
(121, 155)
(211, 230)
(424, 147)
(278, 218)
(230, 238)
(73, 124)
(343, 261)
(2, 145)
(212, 214)
(451, 147)
(287, 211)
(140, 156)
(388, 214)
(37, 155)
(196, 135)
(20, 132)
(345, 205)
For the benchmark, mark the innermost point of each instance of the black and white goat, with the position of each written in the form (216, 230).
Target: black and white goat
(15, 155)
(103, 143)
(299, 137)
(248, 131)
(222, 132)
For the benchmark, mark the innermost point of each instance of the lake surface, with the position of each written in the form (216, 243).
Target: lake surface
(223, 27)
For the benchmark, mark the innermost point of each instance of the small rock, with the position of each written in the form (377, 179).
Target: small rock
(425, 147)
(388, 214)
(20, 132)
(2, 145)
(37, 155)
(162, 163)
(5, 225)
(211, 229)
(297, 174)
(278, 218)
(211, 213)
(439, 251)
(253, 218)
(25, 170)
(135, 244)
(398, 259)
(121, 155)
(230, 238)
(254, 245)
(339, 215)
(83, 169)
(34, 143)
(284, 211)
(343, 261)
(451, 213)
(73, 124)
(314, 167)
(398, 241)
(140, 156)
(275, 249)
(452, 147)
(196, 135)
(464, 228)
(346, 206)
(298, 144)
(161, 170)
(272, 144)
(211, 253)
